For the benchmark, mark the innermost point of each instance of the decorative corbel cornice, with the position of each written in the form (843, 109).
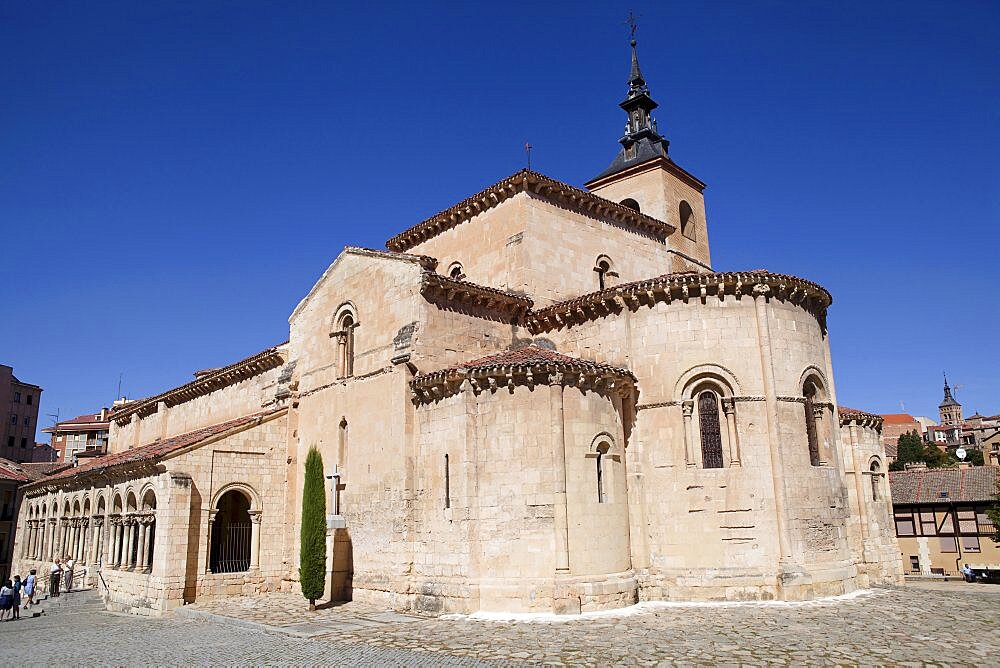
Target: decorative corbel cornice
(684, 287)
(479, 300)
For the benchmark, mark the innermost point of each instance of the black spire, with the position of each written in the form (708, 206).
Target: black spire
(948, 399)
(642, 140)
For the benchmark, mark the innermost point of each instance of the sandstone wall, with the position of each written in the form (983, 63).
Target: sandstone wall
(659, 195)
(487, 534)
(729, 532)
(873, 533)
(225, 403)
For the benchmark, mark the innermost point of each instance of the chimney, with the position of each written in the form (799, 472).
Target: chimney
(916, 466)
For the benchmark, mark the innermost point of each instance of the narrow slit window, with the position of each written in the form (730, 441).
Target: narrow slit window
(447, 483)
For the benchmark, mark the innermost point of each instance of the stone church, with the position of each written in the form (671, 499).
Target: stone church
(543, 398)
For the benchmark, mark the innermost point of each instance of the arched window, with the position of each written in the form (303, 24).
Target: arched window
(711, 430)
(604, 268)
(809, 391)
(602, 453)
(345, 335)
(456, 271)
(147, 527)
(686, 216)
(231, 532)
(876, 471)
(630, 203)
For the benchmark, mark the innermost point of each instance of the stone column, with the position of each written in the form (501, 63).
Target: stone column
(116, 545)
(819, 412)
(729, 407)
(29, 532)
(255, 516)
(95, 552)
(54, 530)
(129, 541)
(60, 545)
(140, 557)
(558, 431)
(211, 524)
(688, 408)
(761, 294)
(150, 545)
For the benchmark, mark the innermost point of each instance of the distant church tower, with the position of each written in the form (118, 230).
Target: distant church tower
(644, 178)
(951, 410)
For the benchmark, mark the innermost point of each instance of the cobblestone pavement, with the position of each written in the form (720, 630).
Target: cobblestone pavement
(944, 625)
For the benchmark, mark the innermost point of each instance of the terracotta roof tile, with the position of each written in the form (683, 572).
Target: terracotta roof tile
(10, 470)
(970, 484)
(157, 449)
(525, 357)
(898, 418)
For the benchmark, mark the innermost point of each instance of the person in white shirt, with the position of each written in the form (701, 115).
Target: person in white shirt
(68, 569)
(54, 577)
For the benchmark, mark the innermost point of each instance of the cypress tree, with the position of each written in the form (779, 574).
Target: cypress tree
(312, 539)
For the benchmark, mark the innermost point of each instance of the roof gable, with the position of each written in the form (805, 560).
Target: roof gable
(541, 186)
(426, 263)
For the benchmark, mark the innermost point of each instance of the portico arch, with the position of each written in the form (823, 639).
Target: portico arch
(234, 540)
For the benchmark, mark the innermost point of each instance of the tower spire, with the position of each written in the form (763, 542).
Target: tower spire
(635, 80)
(642, 140)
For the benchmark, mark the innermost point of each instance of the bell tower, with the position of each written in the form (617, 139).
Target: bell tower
(950, 409)
(644, 177)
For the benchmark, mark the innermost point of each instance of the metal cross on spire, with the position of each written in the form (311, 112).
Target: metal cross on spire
(632, 21)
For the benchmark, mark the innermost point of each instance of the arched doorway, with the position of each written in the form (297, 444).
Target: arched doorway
(231, 534)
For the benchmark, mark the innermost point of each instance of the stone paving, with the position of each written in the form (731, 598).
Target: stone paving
(942, 624)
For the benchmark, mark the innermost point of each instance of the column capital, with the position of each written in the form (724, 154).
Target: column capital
(98, 520)
(688, 407)
(255, 516)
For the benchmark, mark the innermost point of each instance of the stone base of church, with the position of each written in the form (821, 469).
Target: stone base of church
(745, 585)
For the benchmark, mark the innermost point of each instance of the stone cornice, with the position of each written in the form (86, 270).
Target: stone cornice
(658, 162)
(850, 416)
(542, 186)
(601, 378)
(483, 301)
(227, 375)
(682, 287)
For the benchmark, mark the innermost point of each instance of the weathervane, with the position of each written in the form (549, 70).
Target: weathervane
(632, 22)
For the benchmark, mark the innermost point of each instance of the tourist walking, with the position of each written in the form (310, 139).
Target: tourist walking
(6, 600)
(54, 578)
(29, 588)
(16, 607)
(68, 568)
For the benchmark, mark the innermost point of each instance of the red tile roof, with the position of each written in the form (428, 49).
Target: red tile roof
(898, 418)
(38, 470)
(158, 449)
(970, 484)
(524, 357)
(89, 420)
(12, 471)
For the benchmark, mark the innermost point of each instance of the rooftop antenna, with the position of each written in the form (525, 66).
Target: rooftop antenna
(118, 394)
(527, 149)
(55, 417)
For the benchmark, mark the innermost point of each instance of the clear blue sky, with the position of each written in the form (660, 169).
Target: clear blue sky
(175, 175)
